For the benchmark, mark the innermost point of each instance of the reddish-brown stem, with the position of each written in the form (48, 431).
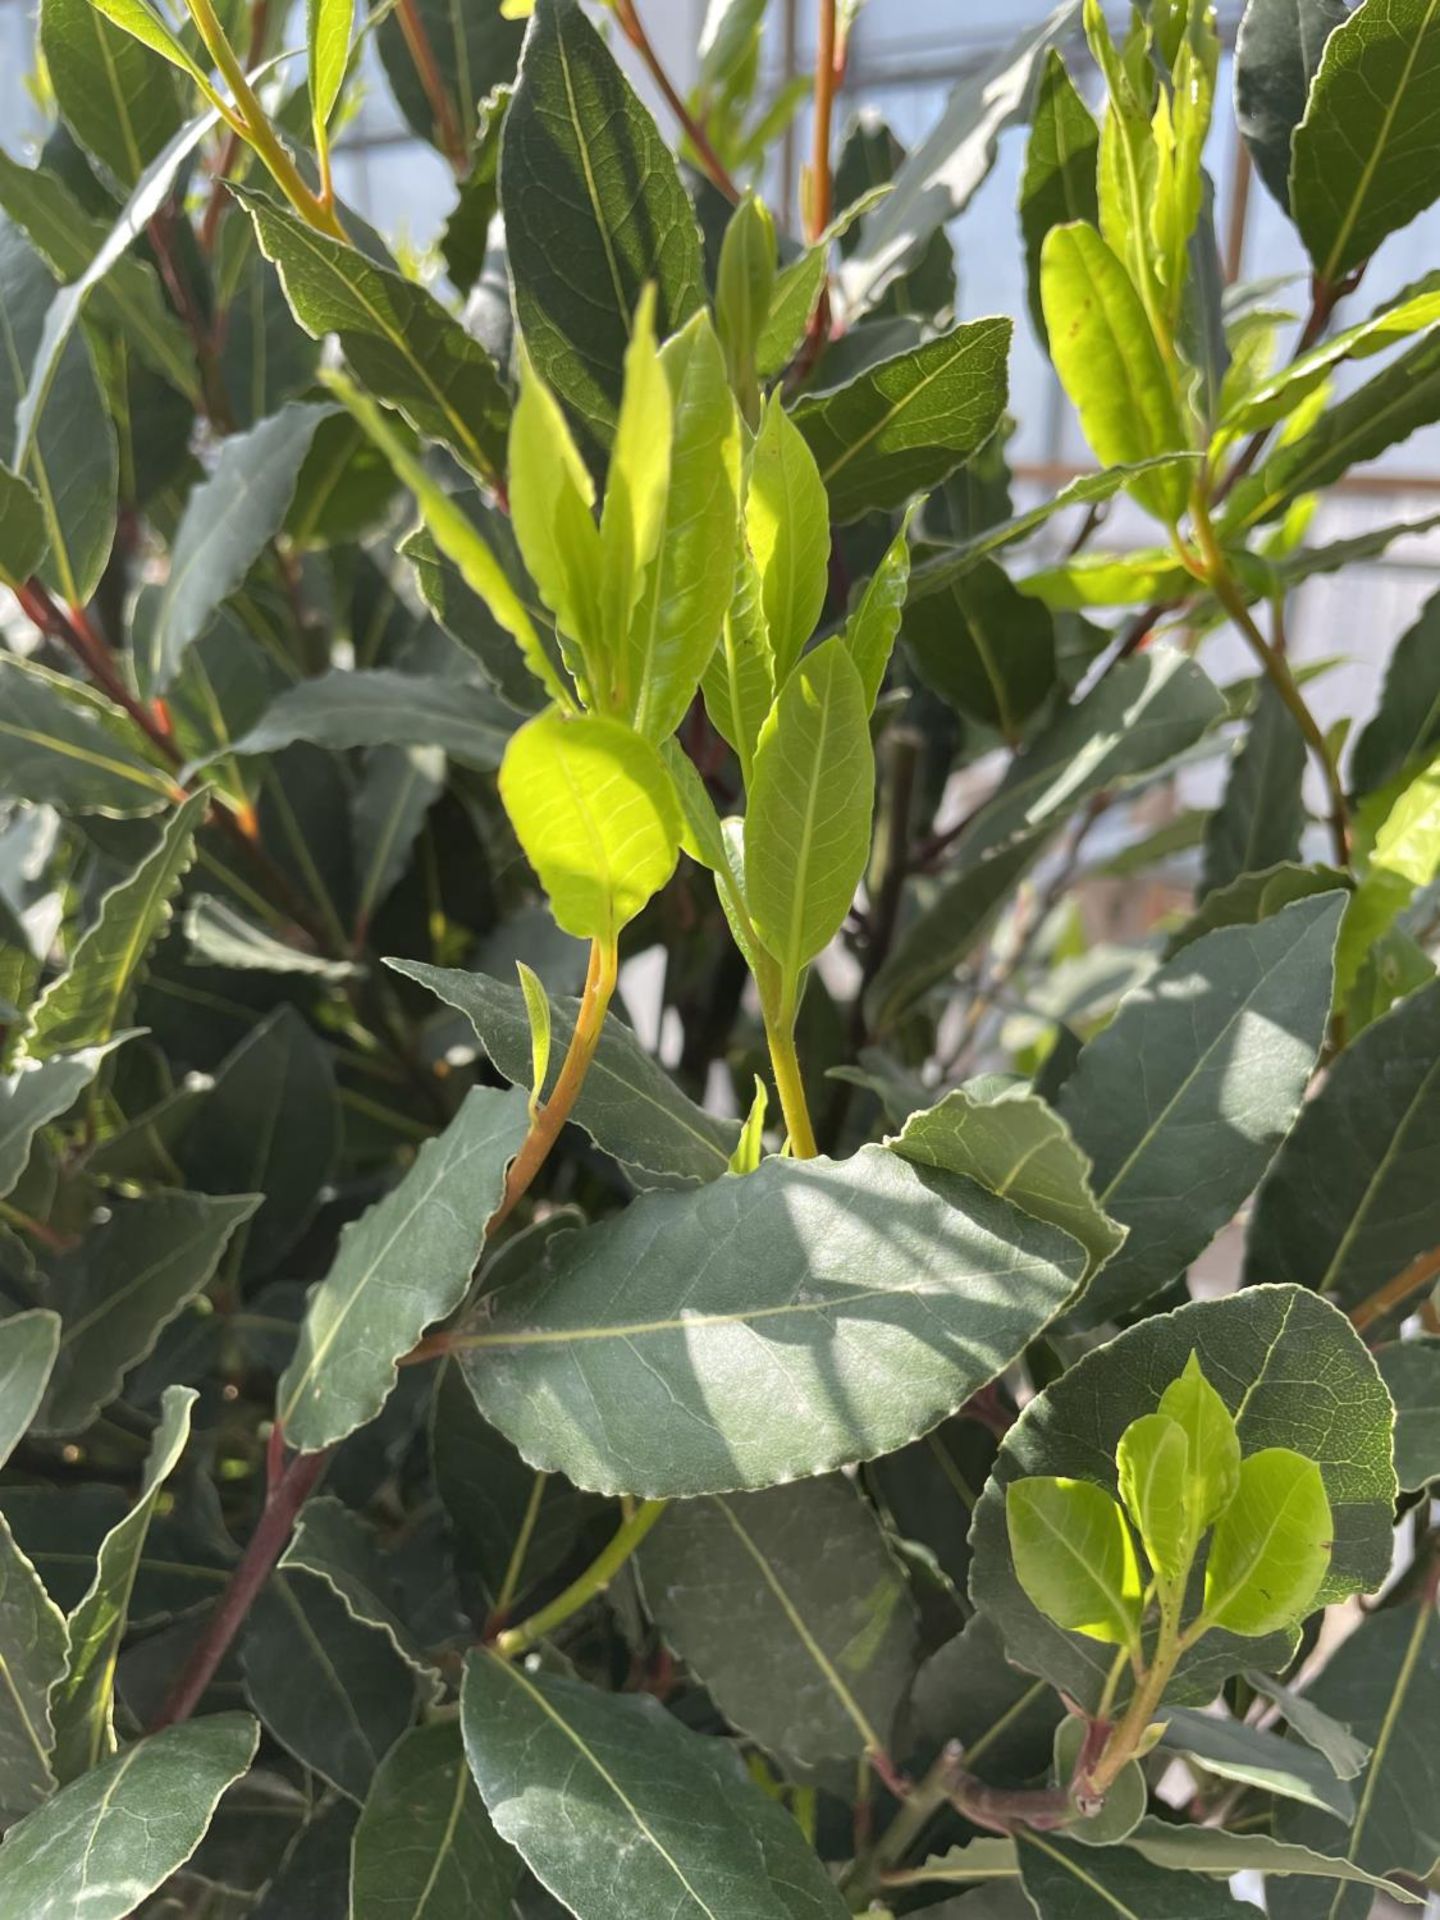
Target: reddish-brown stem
(230, 152)
(71, 629)
(633, 29)
(422, 56)
(1422, 1272)
(161, 233)
(277, 1520)
(827, 62)
(546, 1126)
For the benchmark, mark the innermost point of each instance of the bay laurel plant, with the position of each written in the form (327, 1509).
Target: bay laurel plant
(594, 1302)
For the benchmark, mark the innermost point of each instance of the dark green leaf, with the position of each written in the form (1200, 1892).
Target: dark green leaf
(392, 802)
(593, 209)
(1263, 1349)
(1277, 52)
(1366, 157)
(129, 298)
(401, 342)
(126, 1281)
(619, 1809)
(1345, 1754)
(942, 173)
(82, 1705)
(950, 925)
(1214, 1851)
(629, 1105)
(513, 1527)
(1003, 1718)
(110, 1839)
(120, 101)
(379, 707)
(1068, 1882)
(1181, 1102)
(31, 1340)
(66, 445)
(1254, 897)
(270, 1126)
(1350, 1200)
(901, 426)
(793, 1612)
(217, 935)
(86, 1004)
(34, 1647)
(1232, 1751)
(984, 646)
(31, 1097)
(229, 520)
(633, 1362)
(338, 1547)
(1142, 714)
(1411, 1371)
(1015, 1146)
(425, 1848)
(1406, 725)
(331, 1690)
(404, 1264)
(1384, 1681)
(22, 529)
(474, 49)
(1260, 821)
(1061, 159)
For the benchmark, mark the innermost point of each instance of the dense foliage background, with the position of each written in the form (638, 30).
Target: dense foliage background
(608, 1301)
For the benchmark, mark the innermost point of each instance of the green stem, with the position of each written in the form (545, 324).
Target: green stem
(254, 123)
(789, 1081)
(1219, 577)
(590, 1585)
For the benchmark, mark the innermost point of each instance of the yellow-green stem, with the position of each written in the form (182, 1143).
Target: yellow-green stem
(254, 125)
(1220, 578)
(789, 1081)
(593, 1582)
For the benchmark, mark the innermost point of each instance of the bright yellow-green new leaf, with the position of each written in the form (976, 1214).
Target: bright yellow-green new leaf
(1271, 1546)
(636, 485)
(329, 25)
(537, 1012)
(807, 827)
(1212, 1465)
(1075, 1557)
(739, 682)
(145, 25)
(552, 499)
(787, 520)
(594, 808)
(1406, 856)
(1106, 356)
(690, 585)
(457, 537)
(1151, 1459)
(750, 1148)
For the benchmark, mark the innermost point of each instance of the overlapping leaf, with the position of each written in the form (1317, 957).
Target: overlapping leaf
(866, 1297)
(1264, 1349)
(614, 1805)
(1182, 1101)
